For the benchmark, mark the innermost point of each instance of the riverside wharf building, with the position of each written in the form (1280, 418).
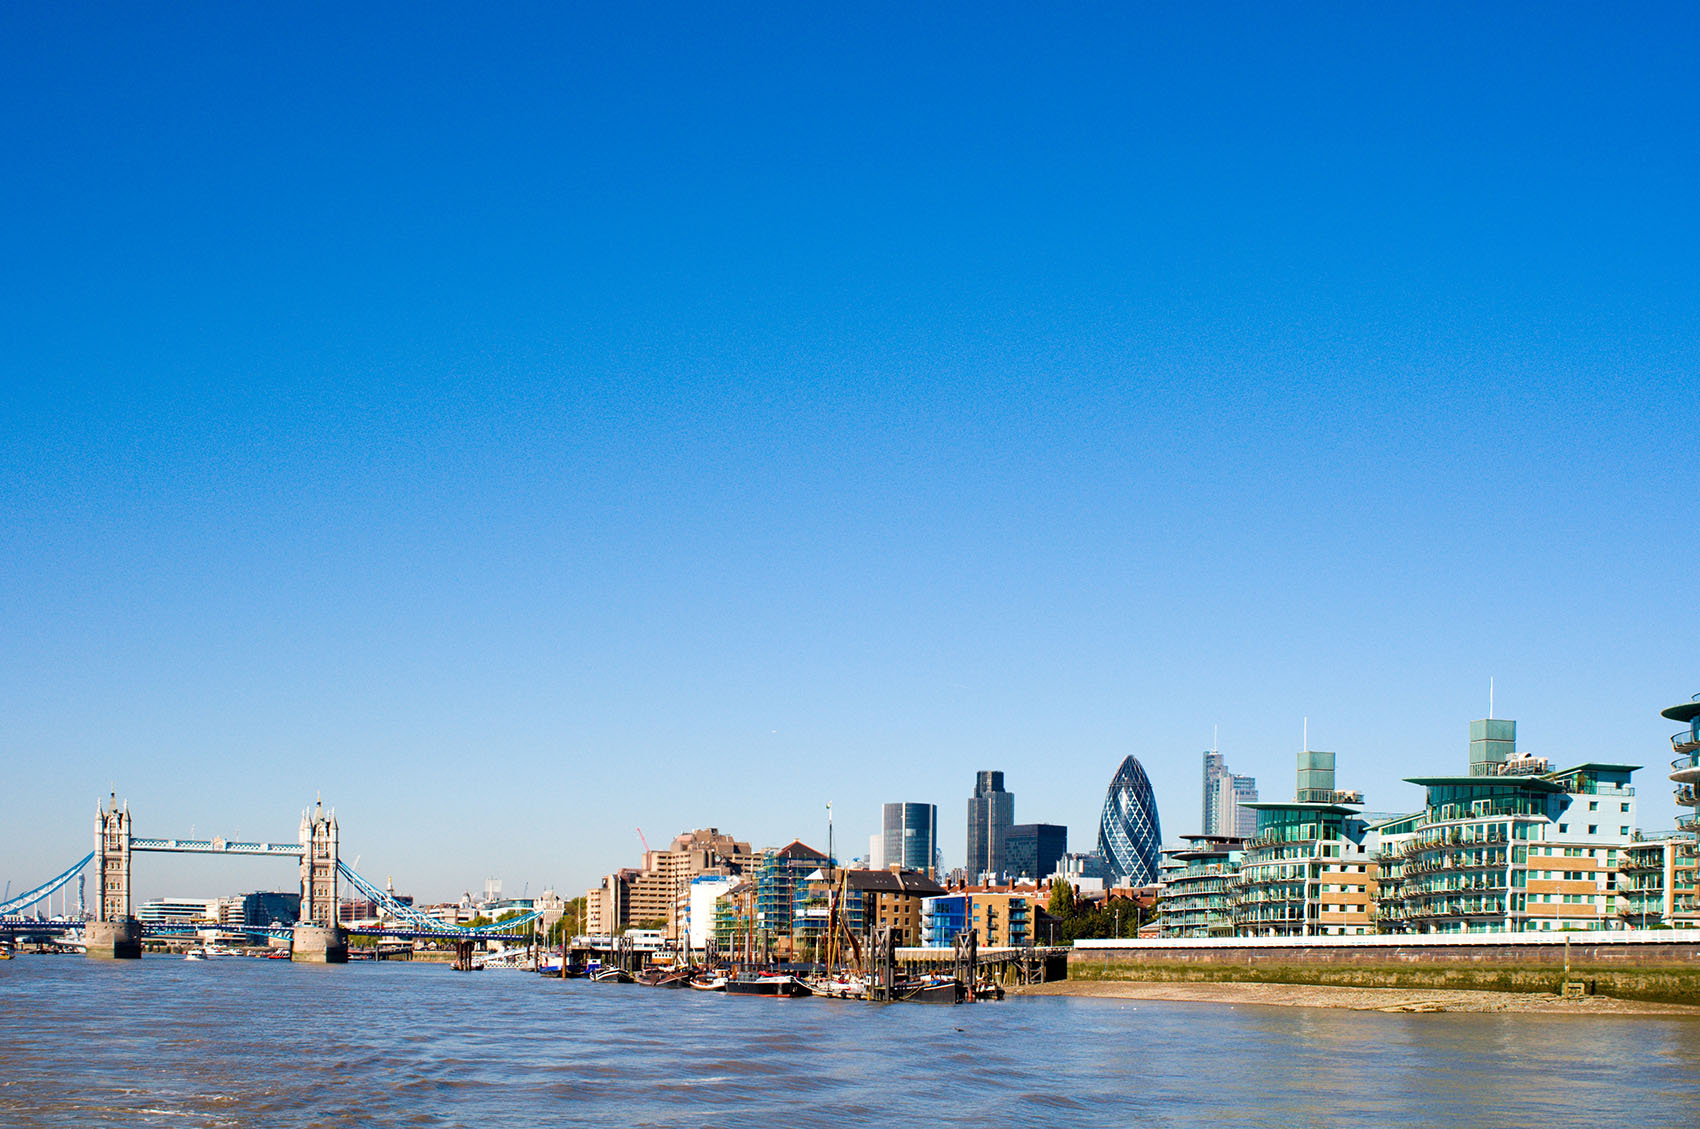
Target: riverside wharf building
(872, 900)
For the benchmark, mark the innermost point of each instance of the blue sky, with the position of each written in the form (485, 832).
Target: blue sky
(526, 427)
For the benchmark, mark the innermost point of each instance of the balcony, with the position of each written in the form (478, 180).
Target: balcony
(1686, 741)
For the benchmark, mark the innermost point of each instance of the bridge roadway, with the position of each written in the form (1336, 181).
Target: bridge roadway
(217, 846)
(25, 927)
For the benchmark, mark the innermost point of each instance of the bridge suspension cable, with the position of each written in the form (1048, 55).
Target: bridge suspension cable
(30, 897)
(424, 921)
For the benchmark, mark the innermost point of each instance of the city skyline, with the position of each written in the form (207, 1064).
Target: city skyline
(524, 434)
(166, 876)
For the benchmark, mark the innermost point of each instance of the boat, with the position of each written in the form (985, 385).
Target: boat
(194, 954)
(840, 987)
(929, 990)
(778, 985)
(709, 982)
(612, 976)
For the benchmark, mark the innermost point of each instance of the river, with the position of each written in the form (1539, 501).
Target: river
(240, 1042)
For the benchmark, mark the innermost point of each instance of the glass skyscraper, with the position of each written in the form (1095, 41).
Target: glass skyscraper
(1128, 832)
(991, 813)
(1224, 792)
(911, 836)
(1215, 768)
(1035, 850)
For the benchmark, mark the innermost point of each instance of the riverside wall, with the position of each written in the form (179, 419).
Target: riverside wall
(1661, 965)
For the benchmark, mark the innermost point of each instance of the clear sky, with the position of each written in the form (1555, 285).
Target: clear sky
(524, 427)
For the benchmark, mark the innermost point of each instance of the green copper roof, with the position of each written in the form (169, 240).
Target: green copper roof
(1294, 805)
(1586, 765)
(1533, 783)
(1687, 711)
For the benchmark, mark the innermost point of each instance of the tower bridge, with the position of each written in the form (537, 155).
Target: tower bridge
(115, 932)
(317, 937)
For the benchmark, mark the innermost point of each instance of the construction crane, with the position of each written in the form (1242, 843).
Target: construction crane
(643, 840)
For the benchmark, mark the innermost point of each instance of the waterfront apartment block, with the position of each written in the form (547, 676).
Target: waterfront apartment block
(1655, 884)
(1685, 774)
(996, 918)
(1514, 846)
(1000, 919)
(1196, 898)
(1311, 871)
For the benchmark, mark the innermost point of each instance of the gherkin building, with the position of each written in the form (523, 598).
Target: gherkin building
(1128, 832)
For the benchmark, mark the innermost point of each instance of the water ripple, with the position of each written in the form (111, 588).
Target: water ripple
(239, 1042)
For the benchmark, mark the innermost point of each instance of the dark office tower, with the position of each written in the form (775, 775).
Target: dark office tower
(911, 836)
(1128, 832)
(1034, 850)
(991, 812)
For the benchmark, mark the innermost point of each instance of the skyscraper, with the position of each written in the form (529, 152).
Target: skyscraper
(1214, 770)
(1224, 792)
(1232, 817)
(1129, 835)
(991, 813)
(1033, 850)
(911, 836)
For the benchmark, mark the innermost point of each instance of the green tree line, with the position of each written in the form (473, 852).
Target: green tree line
(1078, 920)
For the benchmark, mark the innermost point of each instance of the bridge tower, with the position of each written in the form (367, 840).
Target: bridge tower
(113, 932)
(318, 938)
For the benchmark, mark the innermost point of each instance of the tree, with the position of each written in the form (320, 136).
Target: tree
(570, 923)
(1061, 905)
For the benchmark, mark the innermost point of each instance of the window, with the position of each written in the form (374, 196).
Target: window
(1622, 807)
(1623, 830)
(1593, 829)
(1593, 805)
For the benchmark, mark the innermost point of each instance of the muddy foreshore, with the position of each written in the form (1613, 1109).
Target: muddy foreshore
(1356, 999)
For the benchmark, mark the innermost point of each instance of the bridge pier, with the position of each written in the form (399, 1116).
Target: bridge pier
(318, 944)
(114, 940)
